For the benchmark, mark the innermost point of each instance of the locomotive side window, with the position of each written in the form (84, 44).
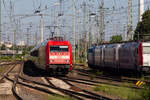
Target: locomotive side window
(59, 48)
(146, 50)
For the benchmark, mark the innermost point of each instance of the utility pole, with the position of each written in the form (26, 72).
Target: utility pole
(57, 24)
(0, 27)
(74, 29)
(130, 21)
(97, 32)
(42, 28)
(90, 33)
(61, 13)
(36, 38)
(79, 35)
(102, 22)
(27, 37)
(84, 32)
(14, 43)
(141, 9)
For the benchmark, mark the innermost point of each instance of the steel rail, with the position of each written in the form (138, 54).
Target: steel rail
(89, 92)
(8, 71)
(48, 86)
(9, 63)
(81, 94)
(34, 87)
(14, 82)
(83, 73)
(80, 80)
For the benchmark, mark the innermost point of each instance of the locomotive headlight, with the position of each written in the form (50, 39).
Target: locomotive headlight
(51, 61)
(65, 57)
(53, 57)
(67, 61)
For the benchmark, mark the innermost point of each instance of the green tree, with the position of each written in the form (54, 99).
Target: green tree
(3, 47)
(116, 38)
(142, 31)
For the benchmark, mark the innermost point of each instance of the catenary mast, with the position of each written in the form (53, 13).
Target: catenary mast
(141, 9)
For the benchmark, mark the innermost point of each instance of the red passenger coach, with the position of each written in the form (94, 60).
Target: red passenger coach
(57, 56)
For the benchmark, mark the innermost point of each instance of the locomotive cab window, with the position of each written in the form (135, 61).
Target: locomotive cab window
(59, 48)
(146, 49)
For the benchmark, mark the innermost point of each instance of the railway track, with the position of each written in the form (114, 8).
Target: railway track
(77, 92)
(17, 80)
(7, 63)
(73, 91)
(112, 78)
(94, 83)
(84, 77)
(14, 81)
(88, 92)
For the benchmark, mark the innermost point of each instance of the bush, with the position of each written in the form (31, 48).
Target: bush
(11, 58)
(116, 38)
(146, 92)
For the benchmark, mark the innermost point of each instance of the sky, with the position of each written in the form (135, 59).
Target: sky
(13, 20)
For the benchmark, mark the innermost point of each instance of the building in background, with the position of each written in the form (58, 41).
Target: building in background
(21, 43)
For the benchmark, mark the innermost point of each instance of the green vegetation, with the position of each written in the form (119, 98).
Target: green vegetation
(25, 51)
(122, 92)
(142, 31)
(17, 48)
(11, 58)
(116, 38)
(79, 60)
(146, 92)
(3, 47)
(57, 97)
(94, 73)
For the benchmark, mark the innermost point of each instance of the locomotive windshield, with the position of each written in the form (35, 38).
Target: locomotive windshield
(59, 48)
(146, 50)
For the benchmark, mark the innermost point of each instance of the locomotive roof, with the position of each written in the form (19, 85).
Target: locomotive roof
(44, 43)
(123, 44)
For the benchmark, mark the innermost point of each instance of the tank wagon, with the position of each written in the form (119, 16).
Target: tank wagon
(53, 55)
(121, 56)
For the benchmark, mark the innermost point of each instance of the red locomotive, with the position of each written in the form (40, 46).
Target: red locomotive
(54, 55)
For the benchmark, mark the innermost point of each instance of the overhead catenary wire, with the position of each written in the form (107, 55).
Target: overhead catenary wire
(119, 12)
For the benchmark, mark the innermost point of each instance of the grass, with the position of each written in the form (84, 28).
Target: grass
(11, 58)
(99, 73)
(146, 92)
(122, 92)
(57, 97)
(94, 73)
